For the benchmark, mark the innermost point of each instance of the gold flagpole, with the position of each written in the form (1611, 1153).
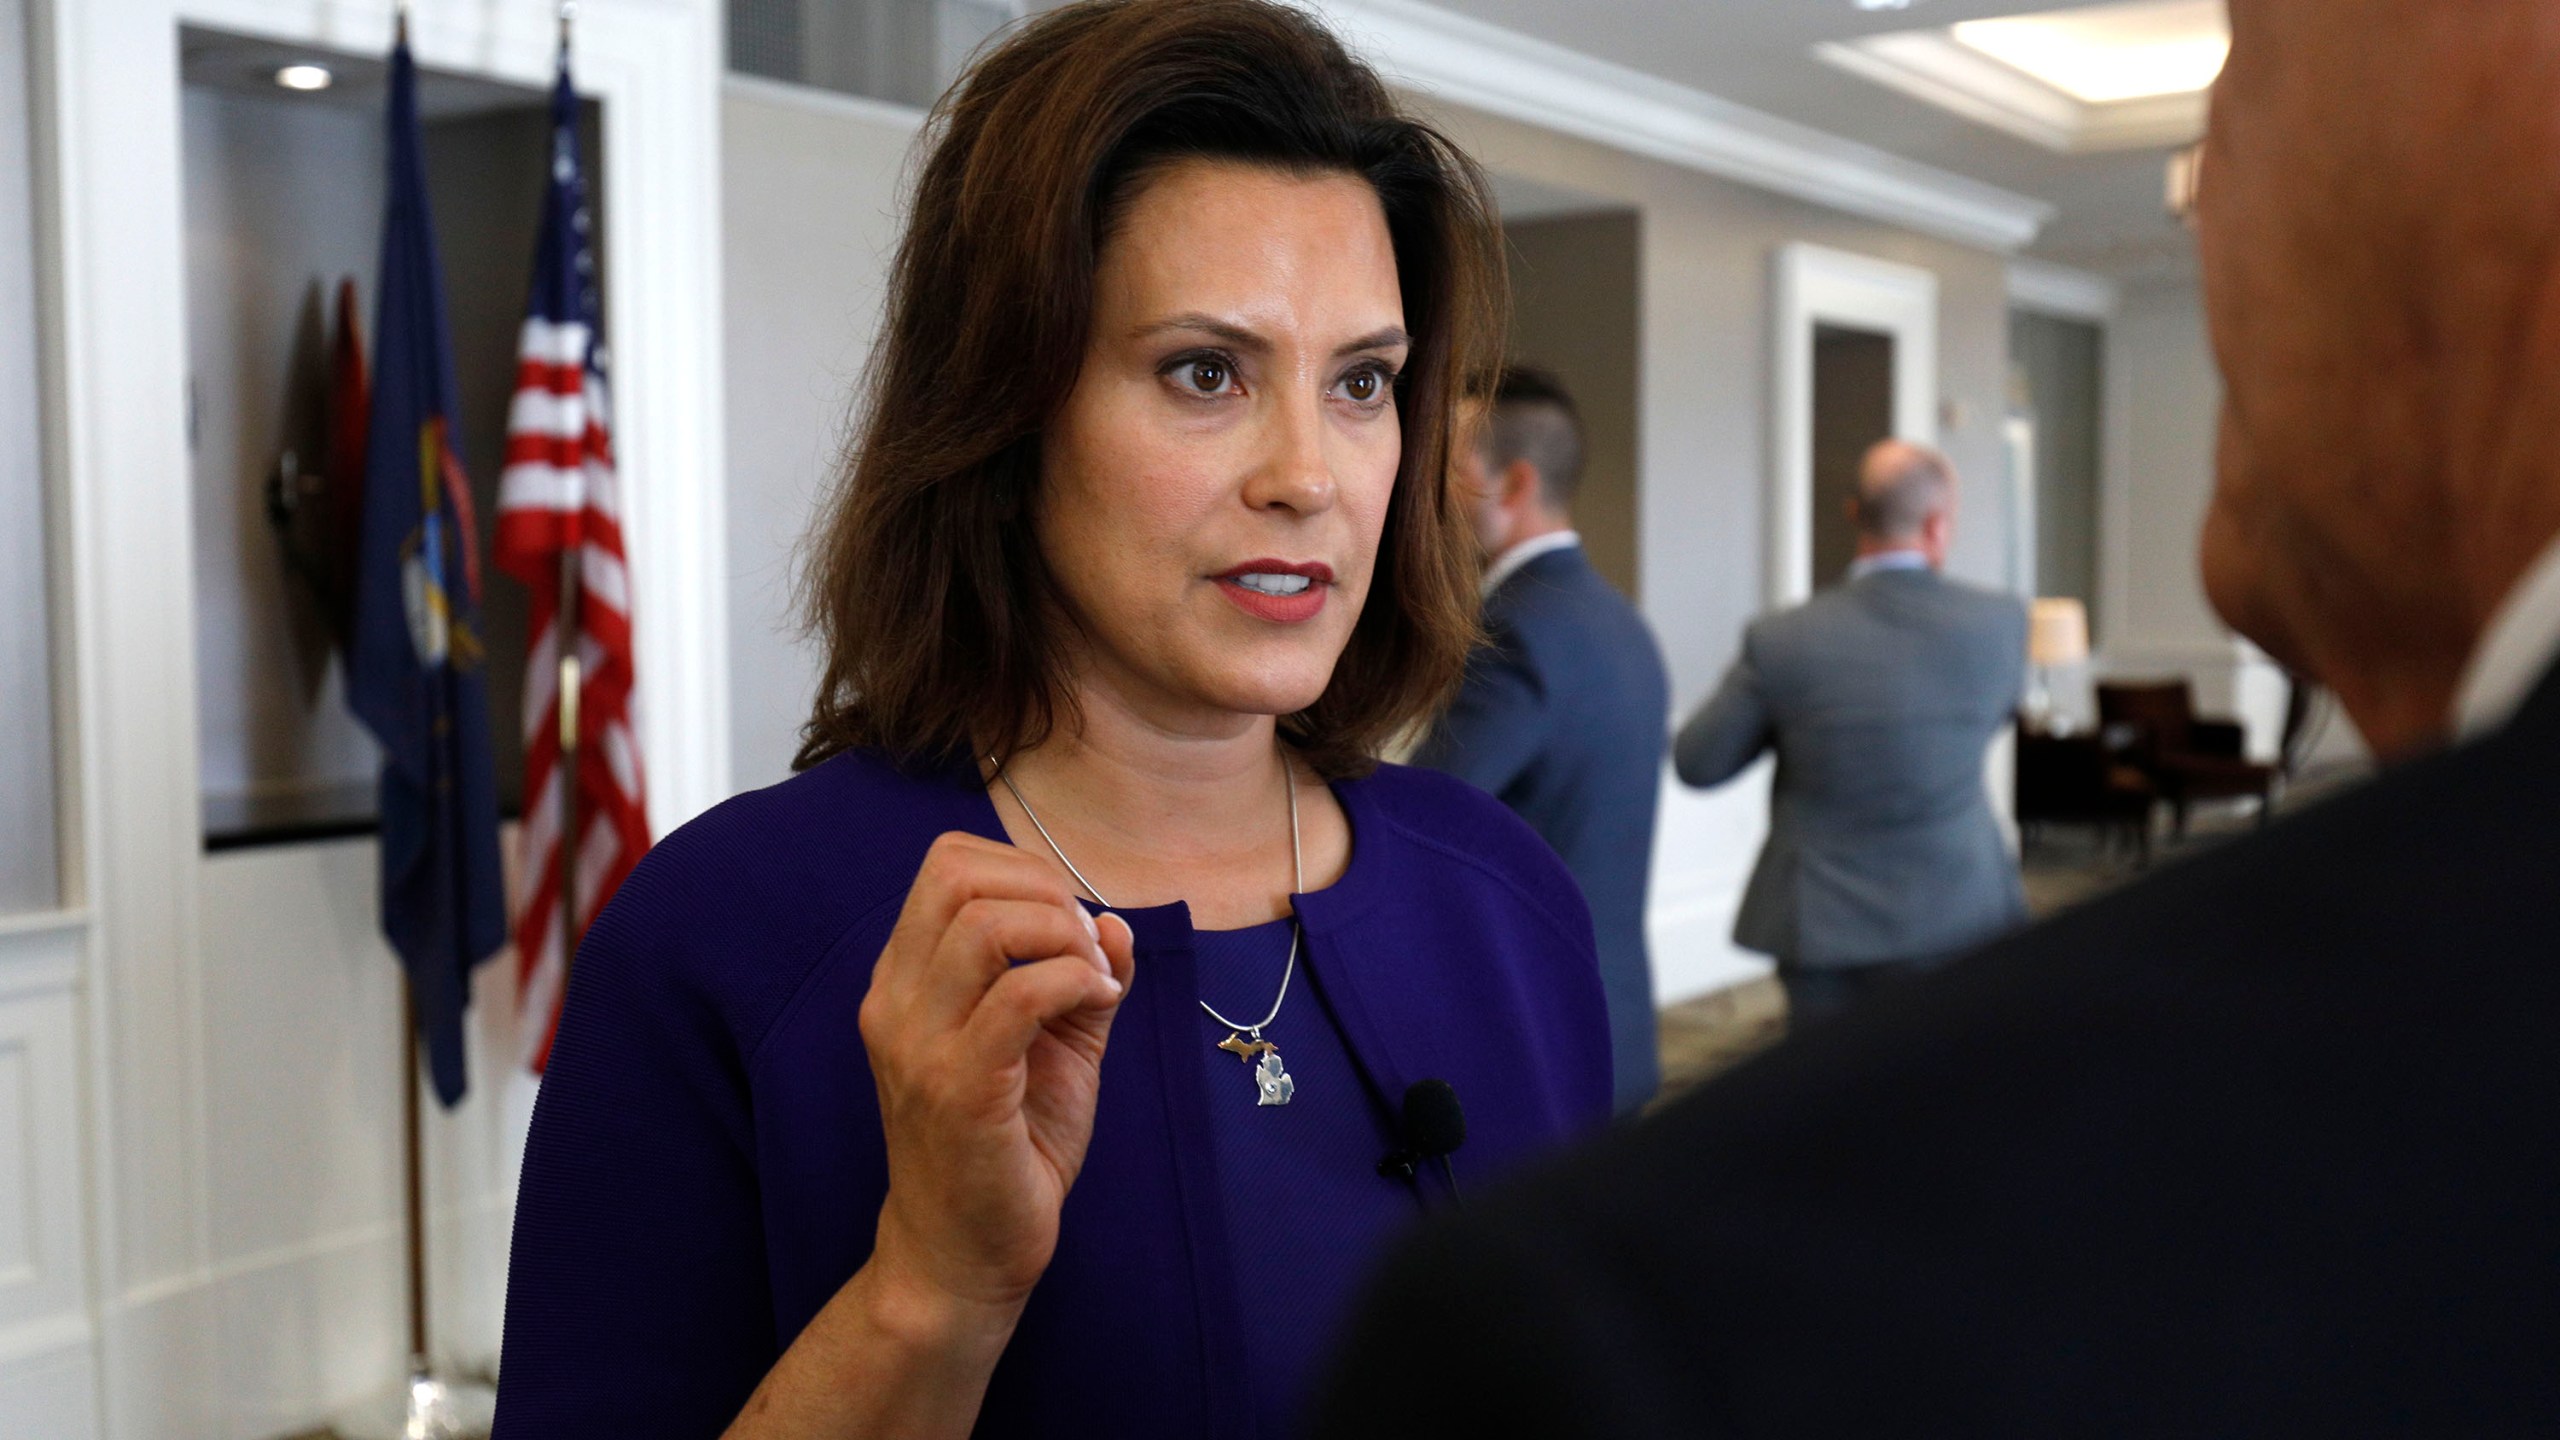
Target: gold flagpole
(413, 1164)
(565, 627)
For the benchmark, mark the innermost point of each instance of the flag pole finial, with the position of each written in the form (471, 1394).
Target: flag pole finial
(568, 15)
(400, 23)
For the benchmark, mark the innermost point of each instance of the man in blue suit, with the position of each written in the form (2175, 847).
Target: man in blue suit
(1563, 710)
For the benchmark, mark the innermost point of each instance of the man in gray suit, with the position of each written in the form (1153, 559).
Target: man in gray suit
(1881, 698)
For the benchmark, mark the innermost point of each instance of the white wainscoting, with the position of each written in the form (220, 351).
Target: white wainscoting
(48, 1374)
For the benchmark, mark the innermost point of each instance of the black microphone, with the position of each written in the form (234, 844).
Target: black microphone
(1435, 1124)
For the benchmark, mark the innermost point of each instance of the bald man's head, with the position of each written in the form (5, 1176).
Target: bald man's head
(1902, 487)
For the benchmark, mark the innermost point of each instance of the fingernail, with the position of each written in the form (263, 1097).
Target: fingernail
(1116, 987)
(1091, 930)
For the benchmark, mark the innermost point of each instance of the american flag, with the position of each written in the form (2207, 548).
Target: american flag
(558, 496)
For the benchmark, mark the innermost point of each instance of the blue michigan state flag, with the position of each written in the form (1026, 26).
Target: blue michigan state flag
(414, 666)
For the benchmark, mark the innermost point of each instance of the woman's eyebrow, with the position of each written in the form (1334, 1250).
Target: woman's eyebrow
(1195, 321)
(1389, 338)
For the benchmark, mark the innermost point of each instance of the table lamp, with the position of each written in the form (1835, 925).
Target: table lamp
(2057, 635)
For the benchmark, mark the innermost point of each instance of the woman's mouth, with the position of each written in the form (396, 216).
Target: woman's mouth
(1280, 591)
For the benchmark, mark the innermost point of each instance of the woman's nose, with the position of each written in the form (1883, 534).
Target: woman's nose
(1295, 474)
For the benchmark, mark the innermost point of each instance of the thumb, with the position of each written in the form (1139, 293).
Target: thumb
(1119, 947)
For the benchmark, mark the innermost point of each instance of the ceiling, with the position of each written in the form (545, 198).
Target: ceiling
(1760, 53)
(246, 65)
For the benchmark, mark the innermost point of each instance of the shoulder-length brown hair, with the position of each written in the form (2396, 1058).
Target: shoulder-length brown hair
(943, 627)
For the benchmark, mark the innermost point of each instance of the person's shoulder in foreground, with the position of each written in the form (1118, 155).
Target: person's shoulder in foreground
(2268, 1144)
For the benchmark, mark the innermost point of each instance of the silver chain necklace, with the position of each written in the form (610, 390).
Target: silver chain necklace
(1271, 1079)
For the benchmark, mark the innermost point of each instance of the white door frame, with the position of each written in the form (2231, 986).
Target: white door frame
(1816, 285)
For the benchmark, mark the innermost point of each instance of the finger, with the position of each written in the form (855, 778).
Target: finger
(961, 867)
(1025, 1000)
(958, 869)
(988, 938)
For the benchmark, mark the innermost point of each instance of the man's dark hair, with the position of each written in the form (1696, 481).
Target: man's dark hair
(1535, 419)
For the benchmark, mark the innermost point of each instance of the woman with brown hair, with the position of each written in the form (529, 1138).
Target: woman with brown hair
(1036, 1059)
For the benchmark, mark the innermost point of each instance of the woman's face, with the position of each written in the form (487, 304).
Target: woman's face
(1212, 496)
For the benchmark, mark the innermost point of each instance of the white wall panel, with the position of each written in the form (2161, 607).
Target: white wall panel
(813, 185)
(45, 1332)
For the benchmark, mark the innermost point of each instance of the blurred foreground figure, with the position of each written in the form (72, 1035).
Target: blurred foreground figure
(1560, 717)
(1880, 697)
(2270, 1143)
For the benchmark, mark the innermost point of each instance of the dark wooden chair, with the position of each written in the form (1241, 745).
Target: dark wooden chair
(2189, 758)
(2082, 780)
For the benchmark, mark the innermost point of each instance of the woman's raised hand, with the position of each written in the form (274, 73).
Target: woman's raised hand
(985, 1023)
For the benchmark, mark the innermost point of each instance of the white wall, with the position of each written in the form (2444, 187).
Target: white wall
(812, 198)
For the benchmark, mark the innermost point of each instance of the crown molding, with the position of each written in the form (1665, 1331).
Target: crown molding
(2051, 289)
(1930, 66)
(1486, 67)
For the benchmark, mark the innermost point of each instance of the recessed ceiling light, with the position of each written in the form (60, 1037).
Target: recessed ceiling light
(1883, 4)
(2108, 53)
(305, 77)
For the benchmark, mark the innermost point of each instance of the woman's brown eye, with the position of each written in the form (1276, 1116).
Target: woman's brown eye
(1364, 385)
(1208, 376)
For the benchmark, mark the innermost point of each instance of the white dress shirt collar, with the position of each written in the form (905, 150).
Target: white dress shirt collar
(1512, 561)
(2522, 641)
(1897, 559)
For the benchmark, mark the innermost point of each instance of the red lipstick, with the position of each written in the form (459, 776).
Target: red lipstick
(1268, 589)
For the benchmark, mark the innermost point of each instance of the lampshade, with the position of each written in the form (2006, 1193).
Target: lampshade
(2057, 632)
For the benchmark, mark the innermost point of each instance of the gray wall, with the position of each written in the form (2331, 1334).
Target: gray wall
(30, 874)
(1703, 445)
(1576, 311)
(811, 194)
(265, 248)
(2060, 364)
(2164, 400)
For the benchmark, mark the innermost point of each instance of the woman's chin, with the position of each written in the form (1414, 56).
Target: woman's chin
(1261, 692)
